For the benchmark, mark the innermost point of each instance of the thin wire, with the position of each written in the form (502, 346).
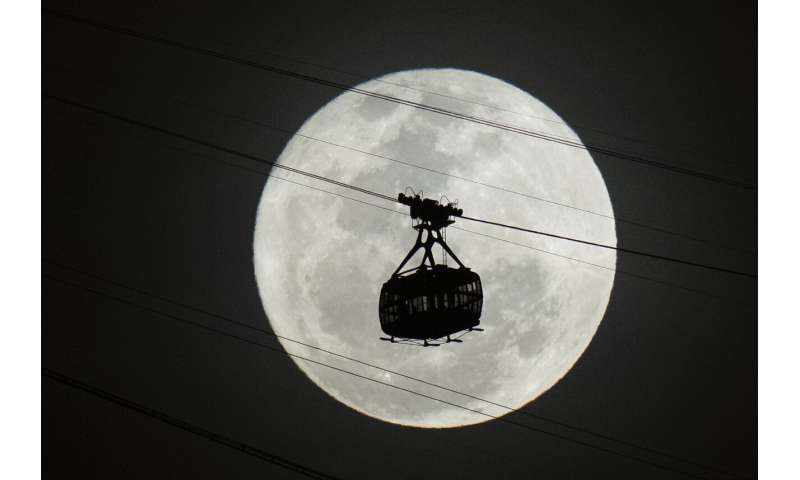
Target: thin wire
(610, 269)
(369, 192)
(218, 147)
(340, 86)
(364, 77)
(529, 247)
(469, 180)
(184, 425)
(377, 367)
(291, 134)
(610, 247)
(348, 372)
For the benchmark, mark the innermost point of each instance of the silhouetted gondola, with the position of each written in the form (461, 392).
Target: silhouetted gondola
(431, 301)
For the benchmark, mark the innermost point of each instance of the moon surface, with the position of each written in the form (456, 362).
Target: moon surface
(322, 252)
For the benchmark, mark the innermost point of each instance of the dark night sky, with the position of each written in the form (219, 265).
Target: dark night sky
(668, 369)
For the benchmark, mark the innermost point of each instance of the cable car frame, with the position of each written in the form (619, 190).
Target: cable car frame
(431, 303)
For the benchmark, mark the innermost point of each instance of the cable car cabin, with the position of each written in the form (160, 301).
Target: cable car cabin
(431, 301)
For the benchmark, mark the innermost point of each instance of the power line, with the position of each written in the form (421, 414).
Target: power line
(377, 367)
(184, 425)
(610, 269)
(375, 194)
(340, 86)
(218, 147)
(208, 109)
(470, 180)
(609, 247)
(364, 377)
(365, 77)
(472, 232)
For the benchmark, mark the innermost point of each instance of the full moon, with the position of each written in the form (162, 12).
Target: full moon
(322, 252)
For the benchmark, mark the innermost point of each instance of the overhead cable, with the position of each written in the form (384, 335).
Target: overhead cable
(271, 333)
(373, 193)
(186, 426)
(280, 351)
(442, 111)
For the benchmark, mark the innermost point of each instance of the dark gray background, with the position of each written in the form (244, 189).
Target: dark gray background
(668, 369)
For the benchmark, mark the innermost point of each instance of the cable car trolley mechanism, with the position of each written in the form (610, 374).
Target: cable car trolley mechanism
(427, 304)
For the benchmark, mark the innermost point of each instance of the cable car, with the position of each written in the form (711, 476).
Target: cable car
(431, 302)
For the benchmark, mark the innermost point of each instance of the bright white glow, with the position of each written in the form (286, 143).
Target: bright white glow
(320, 260)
